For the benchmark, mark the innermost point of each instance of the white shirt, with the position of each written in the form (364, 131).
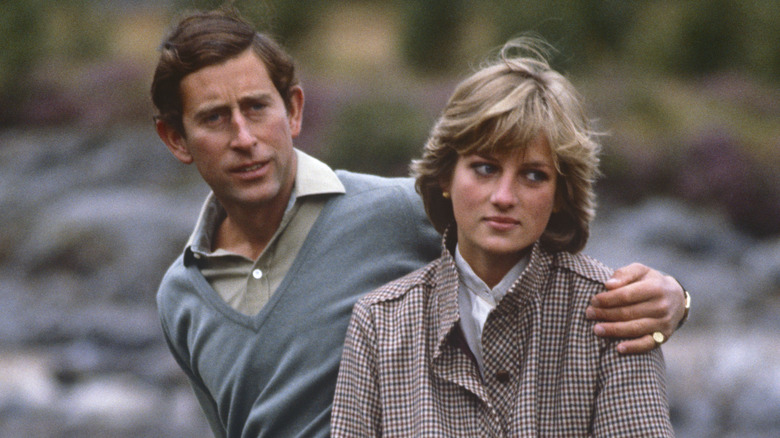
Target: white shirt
(476, 300)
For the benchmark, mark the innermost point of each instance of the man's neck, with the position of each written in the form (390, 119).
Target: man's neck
(247, 231)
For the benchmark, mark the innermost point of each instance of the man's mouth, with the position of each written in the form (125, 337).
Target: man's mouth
(251, 168)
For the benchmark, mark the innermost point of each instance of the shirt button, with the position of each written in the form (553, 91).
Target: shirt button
(257, 273)
(503, 376)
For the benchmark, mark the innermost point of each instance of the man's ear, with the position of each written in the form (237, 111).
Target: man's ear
(295, 112)
(174, 140)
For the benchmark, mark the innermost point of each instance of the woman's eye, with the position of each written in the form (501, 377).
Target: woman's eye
(484, 169)
(537, 175)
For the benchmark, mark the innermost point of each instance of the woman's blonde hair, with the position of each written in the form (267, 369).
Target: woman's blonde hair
(503, 107)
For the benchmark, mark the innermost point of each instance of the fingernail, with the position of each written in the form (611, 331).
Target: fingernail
(599, 330)
(621, 348)
(612, 281)
(590, 313)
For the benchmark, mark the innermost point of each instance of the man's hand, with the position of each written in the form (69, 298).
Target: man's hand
(638, 301)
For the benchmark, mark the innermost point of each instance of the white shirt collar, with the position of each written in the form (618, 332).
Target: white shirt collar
(315, 177)
(479, 288)
(476, 300)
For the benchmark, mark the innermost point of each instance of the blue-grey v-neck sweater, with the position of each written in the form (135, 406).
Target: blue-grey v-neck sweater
(273, 374)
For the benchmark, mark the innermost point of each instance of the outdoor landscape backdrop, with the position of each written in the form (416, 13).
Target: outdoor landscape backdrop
(93, 207)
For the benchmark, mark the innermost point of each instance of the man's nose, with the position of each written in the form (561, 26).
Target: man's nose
(242, 134)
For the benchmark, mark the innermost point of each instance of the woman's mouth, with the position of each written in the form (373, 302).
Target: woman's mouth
(502, 222)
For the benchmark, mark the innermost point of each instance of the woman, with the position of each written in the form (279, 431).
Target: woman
(491, 338)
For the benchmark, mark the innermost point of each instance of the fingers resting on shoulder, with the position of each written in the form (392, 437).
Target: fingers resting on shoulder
(637, 302)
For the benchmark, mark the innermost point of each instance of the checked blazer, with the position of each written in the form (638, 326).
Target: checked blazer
(406, 370)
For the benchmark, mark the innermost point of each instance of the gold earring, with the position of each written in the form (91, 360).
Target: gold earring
(446, 195)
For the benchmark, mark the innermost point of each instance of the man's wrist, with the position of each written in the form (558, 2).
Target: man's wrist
(686, 304)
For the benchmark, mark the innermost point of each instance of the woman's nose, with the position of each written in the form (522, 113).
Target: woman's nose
(504, 195)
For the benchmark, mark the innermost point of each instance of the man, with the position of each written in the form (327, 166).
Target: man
(256, 308)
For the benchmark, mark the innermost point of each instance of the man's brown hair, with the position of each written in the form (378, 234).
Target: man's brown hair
(203, 39)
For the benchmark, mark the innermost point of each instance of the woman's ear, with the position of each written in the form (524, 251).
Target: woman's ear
(445, 189)
(174, 140)
(445, 184)
(559, 202)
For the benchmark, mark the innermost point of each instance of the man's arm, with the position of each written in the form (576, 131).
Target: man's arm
(206, 402)
(638, 302)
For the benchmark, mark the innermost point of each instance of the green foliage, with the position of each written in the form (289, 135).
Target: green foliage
(289, 21)
(85, 30)
(39, 33)
(606, 22)
(686, 38)
(677, 37)
(431, 32)
(377, 136)
(440, 37)
(21, 32)
(556, 21)
(583, 31)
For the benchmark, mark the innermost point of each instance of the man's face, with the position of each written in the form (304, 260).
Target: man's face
(238, 132)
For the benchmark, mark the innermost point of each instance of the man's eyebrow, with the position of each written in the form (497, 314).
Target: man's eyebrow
(209, 108)
(255, 97)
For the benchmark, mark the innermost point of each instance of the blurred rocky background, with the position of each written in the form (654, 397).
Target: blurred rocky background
(93, 208)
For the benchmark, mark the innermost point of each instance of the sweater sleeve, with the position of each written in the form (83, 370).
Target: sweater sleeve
(632, 397)
(357, 409)
(425, 238)
(206, 402)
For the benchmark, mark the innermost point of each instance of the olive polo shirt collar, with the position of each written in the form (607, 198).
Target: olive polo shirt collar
(313, 177)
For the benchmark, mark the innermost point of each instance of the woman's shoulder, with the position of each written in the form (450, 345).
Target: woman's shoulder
(408, 287)
(583, 265)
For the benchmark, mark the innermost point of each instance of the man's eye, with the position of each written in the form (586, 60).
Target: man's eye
(256, 107)
(212, 118)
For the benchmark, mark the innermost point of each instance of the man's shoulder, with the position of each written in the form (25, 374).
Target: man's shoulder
(173, 280)
(371, 195)
(357, 182)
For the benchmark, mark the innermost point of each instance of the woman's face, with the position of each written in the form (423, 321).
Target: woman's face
(502, 204)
